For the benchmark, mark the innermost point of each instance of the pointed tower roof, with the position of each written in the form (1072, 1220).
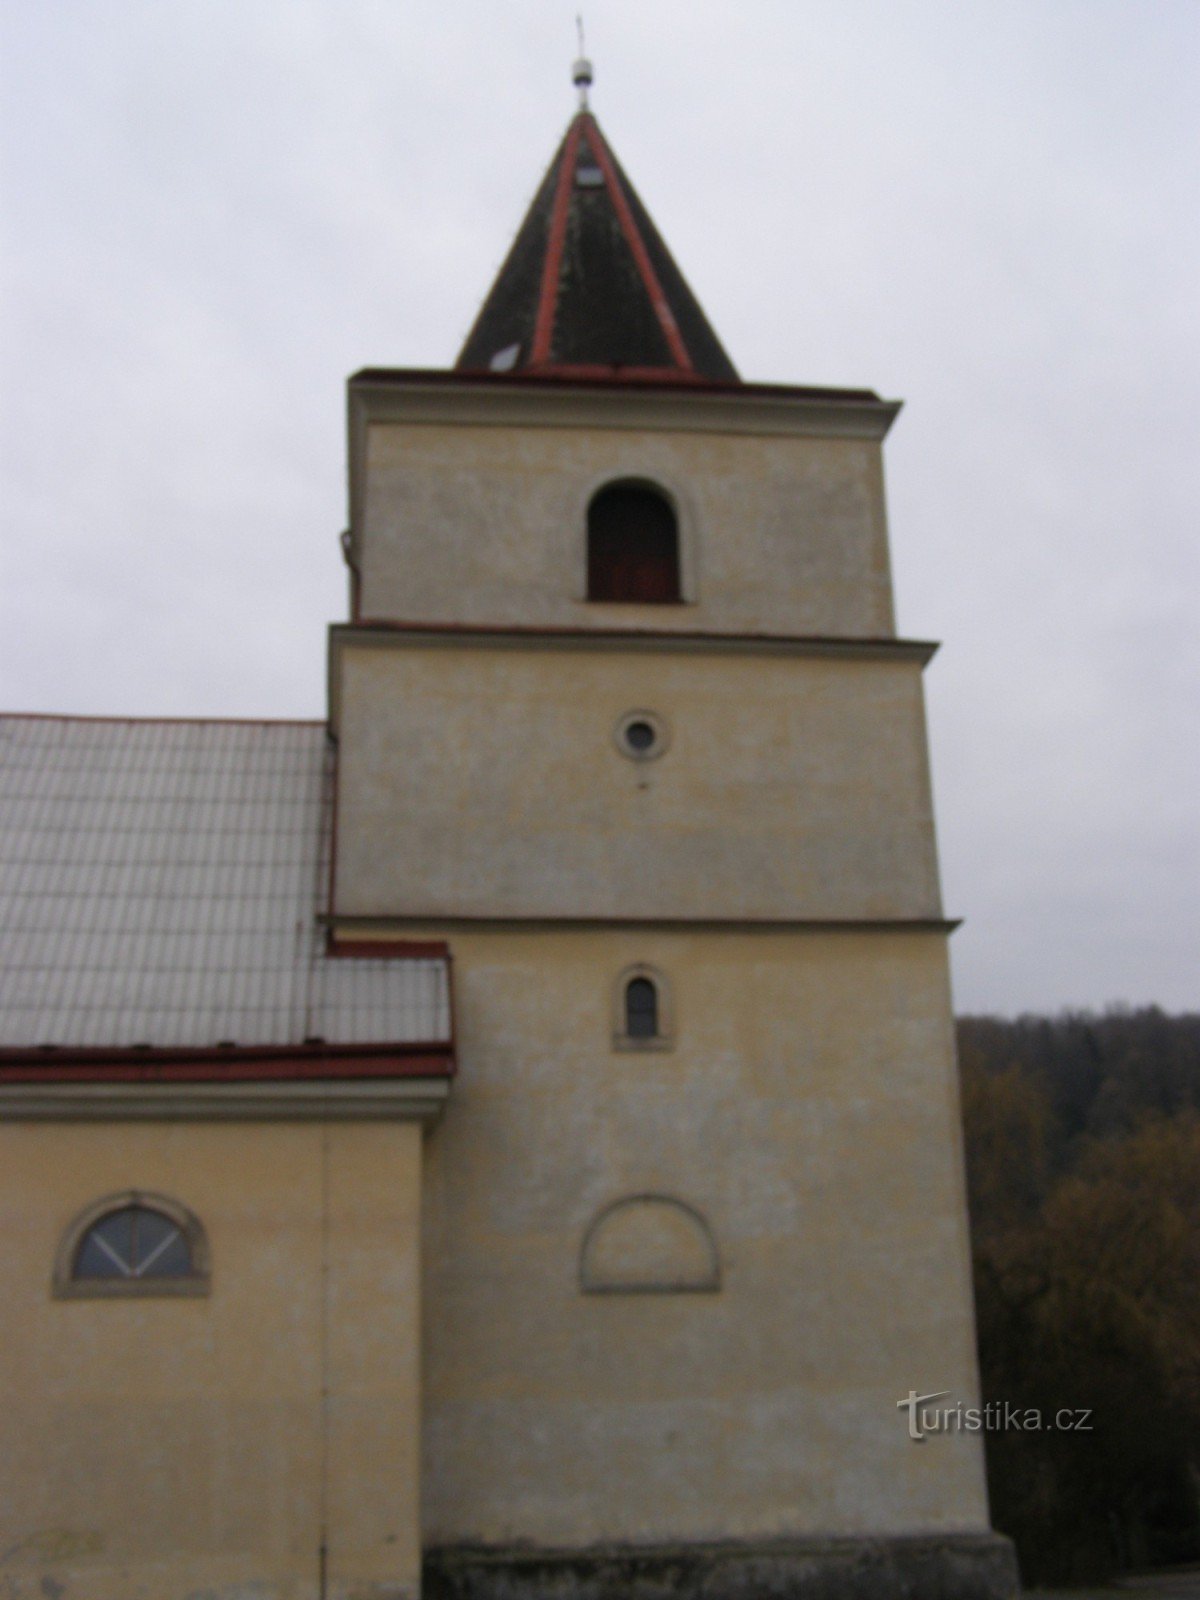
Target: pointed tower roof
(589, 289)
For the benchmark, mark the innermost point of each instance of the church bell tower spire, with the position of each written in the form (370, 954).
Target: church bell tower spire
(589, 288)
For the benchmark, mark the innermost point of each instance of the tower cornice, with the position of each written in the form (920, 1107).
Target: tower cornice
(549, 400)
(368, 633)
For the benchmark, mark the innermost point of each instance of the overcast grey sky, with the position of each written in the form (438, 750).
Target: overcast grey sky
(215, 210)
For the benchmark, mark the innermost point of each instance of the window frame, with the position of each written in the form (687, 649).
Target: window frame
(622, 1039)
(659, 727)
(66, 1286)
(685, 537)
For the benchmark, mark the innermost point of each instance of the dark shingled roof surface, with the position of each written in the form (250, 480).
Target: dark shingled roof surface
(589, 284)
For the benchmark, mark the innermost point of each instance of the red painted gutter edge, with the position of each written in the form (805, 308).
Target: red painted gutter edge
(594, 372)
(248, 1065)
(386, 949)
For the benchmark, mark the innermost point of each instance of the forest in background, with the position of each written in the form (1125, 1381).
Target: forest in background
(1083, 1171)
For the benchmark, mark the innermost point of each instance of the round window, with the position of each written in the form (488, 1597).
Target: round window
(641, 735)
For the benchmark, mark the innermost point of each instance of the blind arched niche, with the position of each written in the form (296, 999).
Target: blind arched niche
(649, 1244)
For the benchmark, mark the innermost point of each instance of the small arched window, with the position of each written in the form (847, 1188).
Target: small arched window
(633, 546)
(642, 1018)
(641, 1009)
(133, 1244)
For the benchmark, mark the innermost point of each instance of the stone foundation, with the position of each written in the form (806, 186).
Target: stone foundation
(933, 1567)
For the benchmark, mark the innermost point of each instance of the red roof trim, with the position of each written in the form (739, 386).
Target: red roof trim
(593, 371)
(317, 1049)
(543, 330)
(388, 949)
(636, 244)
(431, 1066)
(217, 1065)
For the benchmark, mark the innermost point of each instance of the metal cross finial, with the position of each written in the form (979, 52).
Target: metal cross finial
(581, 72)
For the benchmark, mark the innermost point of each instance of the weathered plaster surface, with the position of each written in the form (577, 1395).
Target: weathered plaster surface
(809, 1113)
(199, 1449)
(486, 781)
(487, 525)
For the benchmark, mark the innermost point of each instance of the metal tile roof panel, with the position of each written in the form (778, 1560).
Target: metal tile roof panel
(161, 883)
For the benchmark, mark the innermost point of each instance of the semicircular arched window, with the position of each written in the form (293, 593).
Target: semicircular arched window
(633, 546)
(642, 1015)
(641, 1009)
(133, 1244)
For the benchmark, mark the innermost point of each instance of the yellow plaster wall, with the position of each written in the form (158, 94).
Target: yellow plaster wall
(487, 524)
(808, 1111)
(195, 1449)
(793, 787)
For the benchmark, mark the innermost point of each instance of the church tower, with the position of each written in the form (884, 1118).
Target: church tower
(503, 1142)
(623, 720)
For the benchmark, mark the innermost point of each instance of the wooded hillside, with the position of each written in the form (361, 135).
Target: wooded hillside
(1083, 1164)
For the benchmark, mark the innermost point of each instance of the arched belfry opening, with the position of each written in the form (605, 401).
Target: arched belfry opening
(632, 545)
